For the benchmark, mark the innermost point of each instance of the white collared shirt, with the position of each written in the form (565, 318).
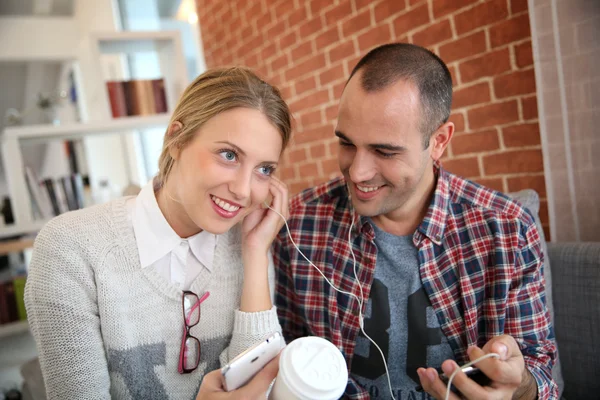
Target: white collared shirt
(178, 260)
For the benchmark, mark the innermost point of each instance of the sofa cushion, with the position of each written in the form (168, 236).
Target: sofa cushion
(529, 199)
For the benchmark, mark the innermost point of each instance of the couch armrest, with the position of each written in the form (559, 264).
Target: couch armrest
(576, 291)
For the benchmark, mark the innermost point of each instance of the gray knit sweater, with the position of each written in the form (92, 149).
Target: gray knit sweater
(106, 328)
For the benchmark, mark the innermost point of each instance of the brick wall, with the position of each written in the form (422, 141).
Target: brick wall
(308, 49)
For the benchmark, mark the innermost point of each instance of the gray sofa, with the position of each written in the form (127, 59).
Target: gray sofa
(572, 272)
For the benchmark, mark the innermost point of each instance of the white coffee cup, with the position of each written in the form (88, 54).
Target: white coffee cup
(310, 368)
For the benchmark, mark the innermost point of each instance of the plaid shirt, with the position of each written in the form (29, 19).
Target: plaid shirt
(480, 264)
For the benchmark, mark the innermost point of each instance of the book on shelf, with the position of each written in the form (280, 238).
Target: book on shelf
(53, 196)
(12, 307)
(137, 97)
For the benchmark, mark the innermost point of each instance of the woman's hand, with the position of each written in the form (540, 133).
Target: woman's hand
(258, 232)
(260, 227)
(212, 385)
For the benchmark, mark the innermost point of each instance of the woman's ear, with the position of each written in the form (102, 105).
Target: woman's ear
(174, 128)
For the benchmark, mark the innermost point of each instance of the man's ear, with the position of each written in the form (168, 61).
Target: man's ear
(440, 139)
(175, 127)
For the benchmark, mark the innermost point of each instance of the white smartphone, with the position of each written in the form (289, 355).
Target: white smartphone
(243, 368)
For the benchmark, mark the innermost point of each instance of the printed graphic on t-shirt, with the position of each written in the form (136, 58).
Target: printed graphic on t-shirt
(407, 342)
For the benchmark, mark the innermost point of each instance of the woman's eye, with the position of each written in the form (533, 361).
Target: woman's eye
(266, 170)
(228, 155)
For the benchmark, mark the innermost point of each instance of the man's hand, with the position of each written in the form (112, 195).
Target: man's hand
(212, 385)
(508, 374)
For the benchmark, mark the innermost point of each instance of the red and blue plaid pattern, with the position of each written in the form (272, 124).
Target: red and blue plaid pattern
(481, 265)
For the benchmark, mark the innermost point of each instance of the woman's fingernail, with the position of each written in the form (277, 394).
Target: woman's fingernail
(431, 375)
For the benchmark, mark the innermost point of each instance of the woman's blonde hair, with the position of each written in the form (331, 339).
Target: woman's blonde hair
(213, 92)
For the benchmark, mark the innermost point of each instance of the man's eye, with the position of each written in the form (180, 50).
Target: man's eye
(345, 144)
(228, 155)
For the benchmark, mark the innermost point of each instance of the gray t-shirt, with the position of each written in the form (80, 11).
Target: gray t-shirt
(398, 300)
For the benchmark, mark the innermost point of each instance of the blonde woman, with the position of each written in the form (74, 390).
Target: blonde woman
(140, 297)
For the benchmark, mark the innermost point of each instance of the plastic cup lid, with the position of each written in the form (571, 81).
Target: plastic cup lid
(313, 368)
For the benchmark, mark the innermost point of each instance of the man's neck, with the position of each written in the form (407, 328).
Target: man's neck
(405, 220)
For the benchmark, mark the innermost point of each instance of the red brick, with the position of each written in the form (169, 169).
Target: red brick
(280, 62)
(459, 121)
(512, 162)
(276, 30)
(360, 4)
(374, 37)
(298, 155)
(311, 118)
(493, 114)
(467, 167)
(297, 187)
(331, 112)
(306, 84)
(356, 23)
(443, 7)
(331, 167)
(482, 14)
(304, 50)
(352, 61)
(310, 101)
(453, 72)
(288, 40)
(308, 170)
(327, 38)
(517, 6)
(536, 183)
(492, 183)
(509, 31)
(283, 9)
(338, 13)
(261, 22)
(317, 150)
(341, 51)
(475, 94)
(286, 92)
(251, 61)
(489, 64)
(529, 106)
(332, 74)
(521, 135)
(287, 173)
(310, 65)
(334, 148)
(299, 15)
(414, 18)
(387, 9)
(268, 52)
(520, 82)
(467, 46)
(414, 2)
(313, 135)
(318, 6)
(310, 27)
(524, 54)
(338, 88)
(433, 34)
(475, 142)
(254, 11)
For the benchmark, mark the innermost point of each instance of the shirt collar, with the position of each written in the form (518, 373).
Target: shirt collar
(155, 238)
(434, 223)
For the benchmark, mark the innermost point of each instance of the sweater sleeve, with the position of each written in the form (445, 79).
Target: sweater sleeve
(62, 309)
(251, 328)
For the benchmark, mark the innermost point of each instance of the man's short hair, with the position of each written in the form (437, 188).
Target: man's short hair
(389, 63)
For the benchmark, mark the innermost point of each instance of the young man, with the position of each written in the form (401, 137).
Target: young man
(448, 270)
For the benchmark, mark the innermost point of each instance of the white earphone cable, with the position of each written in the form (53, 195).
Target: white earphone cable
(360, 305)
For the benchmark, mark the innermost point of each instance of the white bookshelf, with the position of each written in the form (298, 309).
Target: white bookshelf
(13, 138)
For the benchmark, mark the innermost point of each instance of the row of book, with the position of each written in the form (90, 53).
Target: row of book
(51, 197)
(137, 97)
(12, 305)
